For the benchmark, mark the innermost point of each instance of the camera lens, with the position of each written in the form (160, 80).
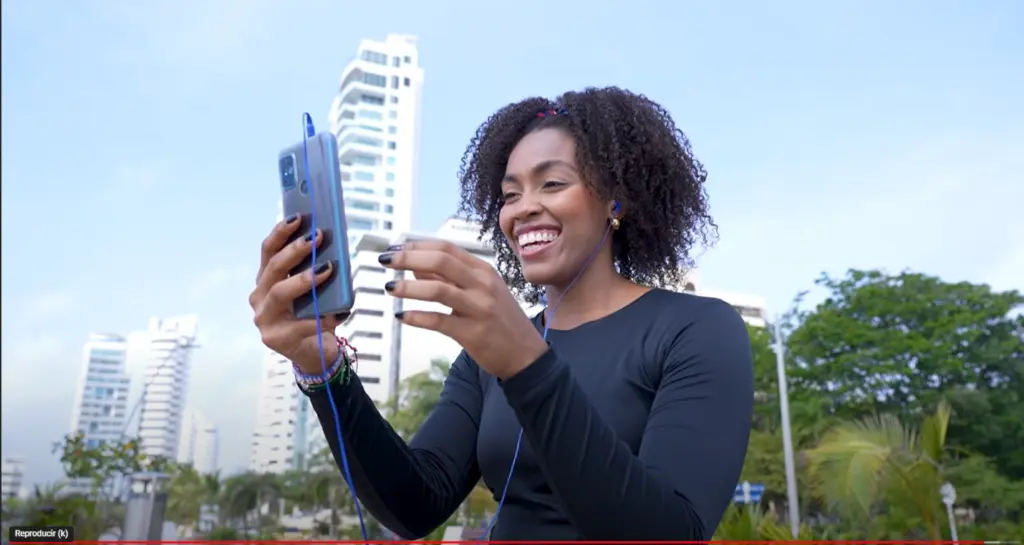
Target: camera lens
(287, 168)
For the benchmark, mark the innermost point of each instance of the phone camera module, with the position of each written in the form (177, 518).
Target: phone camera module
(287, 168)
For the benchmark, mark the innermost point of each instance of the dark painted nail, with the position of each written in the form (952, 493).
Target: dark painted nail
(399, 315)
(384, 259)
(390, 286)
(309, 237)
(395, 248)
(292, 218)
(341, 316)
(322, 268)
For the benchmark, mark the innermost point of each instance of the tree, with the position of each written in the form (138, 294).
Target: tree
(858, 465)
(899, 344)
(417, 396)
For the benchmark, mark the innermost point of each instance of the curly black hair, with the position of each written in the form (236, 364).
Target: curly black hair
(628, 149)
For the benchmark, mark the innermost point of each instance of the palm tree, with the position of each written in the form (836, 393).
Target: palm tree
(877, 461)
(187, 494)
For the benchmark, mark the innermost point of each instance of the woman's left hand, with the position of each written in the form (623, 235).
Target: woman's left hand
(486, 319)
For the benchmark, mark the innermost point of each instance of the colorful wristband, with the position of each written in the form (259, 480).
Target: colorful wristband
(339, 371)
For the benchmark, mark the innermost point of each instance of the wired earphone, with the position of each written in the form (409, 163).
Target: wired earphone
(307, 133)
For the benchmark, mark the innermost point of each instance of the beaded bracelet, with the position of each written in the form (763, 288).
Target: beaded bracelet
(340, 371)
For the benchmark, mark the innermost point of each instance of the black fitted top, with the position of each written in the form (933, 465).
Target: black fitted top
(635, 426)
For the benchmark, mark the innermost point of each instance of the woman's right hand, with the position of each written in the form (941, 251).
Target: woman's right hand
(276, 291)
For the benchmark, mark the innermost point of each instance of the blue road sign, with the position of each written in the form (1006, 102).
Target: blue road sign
(748, 493)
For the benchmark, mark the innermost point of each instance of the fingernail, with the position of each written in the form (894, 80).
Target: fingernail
(399, 315)
(310, 237)
(395, 248)
(322, 268)
(292, 218)
(384, 259)
(340, 316)
(390, 286)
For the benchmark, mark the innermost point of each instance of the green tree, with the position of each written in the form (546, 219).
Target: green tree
(417, 397)
(898, 344)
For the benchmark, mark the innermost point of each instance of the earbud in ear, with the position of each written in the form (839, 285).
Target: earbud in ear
(615, 207)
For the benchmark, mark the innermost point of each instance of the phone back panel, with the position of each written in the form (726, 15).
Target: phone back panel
(320, 187)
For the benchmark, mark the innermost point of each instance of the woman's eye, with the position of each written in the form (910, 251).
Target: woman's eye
(553, 184)
(508, 196)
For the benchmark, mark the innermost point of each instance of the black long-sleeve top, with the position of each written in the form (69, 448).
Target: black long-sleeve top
(635, 427)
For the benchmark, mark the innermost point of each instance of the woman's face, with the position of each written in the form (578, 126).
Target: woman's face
(551, 218)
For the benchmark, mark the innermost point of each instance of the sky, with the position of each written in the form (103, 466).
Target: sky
(140, 143)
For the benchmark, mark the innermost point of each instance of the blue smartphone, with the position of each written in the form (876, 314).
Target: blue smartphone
(322, 182)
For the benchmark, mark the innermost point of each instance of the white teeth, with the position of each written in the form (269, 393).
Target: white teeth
(534, 237)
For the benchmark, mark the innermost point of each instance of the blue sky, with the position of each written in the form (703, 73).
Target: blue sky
(139, 145)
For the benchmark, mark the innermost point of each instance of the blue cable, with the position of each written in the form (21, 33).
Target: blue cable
(307, 133)
(547, 327)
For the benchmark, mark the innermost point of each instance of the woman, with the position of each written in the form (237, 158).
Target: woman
(622, 411)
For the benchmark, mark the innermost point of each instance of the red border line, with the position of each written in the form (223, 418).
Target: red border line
(479, 542)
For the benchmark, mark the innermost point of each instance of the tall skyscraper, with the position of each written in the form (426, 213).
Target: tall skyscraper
(376, 118)
(171, 342)
(199, 444)
(12, 478)
(279, 439)
(101, 399)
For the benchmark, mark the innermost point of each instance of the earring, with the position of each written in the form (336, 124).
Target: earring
(615, 224)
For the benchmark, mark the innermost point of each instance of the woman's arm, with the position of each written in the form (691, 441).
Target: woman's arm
(691, 452)
(411, 489)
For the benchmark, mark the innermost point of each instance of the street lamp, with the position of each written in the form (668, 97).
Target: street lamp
(787, 436)
(948, 493)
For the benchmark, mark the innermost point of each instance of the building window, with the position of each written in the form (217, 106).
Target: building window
(407, 59)
(371, 291)
(369, 357)
(375, 57)
(390, 176)
(392, 130)
(407, 82)
(392, 145)
(367, 141)
(363, 190)
(369, 380)
(363, 176)
(376, 80)
(389, 192)
(394, 99)
(368, 334)
(391, 161)
(394, 82)
(396, 62)
(368, 268)
(387, 226)
(370, 99)
(363, 205)
(368, 312)
(361, 224)
(367, 160)
(388, 209)
(371, 114)
(393, 114)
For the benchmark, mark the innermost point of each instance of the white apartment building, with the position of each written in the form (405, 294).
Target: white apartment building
(100, 405)
(752, 308)
(200, 443)
(12, 478)
(376, 118)
(171, 342)
(389, 351)
(279, 439)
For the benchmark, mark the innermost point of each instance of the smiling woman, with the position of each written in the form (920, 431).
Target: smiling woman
(622, 411)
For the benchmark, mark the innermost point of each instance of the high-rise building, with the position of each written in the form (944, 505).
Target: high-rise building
(388, 350)
(279, 439)
(12, 478)
(171, 342)
(376, 118)
(101, 399)
(199, 444)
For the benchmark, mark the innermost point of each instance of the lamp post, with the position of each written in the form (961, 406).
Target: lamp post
(948, 493)
(144, 512)
(787, 437)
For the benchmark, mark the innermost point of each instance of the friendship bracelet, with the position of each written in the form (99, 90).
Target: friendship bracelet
(339, 371)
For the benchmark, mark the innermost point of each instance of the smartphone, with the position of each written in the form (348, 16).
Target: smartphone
(319, 190)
